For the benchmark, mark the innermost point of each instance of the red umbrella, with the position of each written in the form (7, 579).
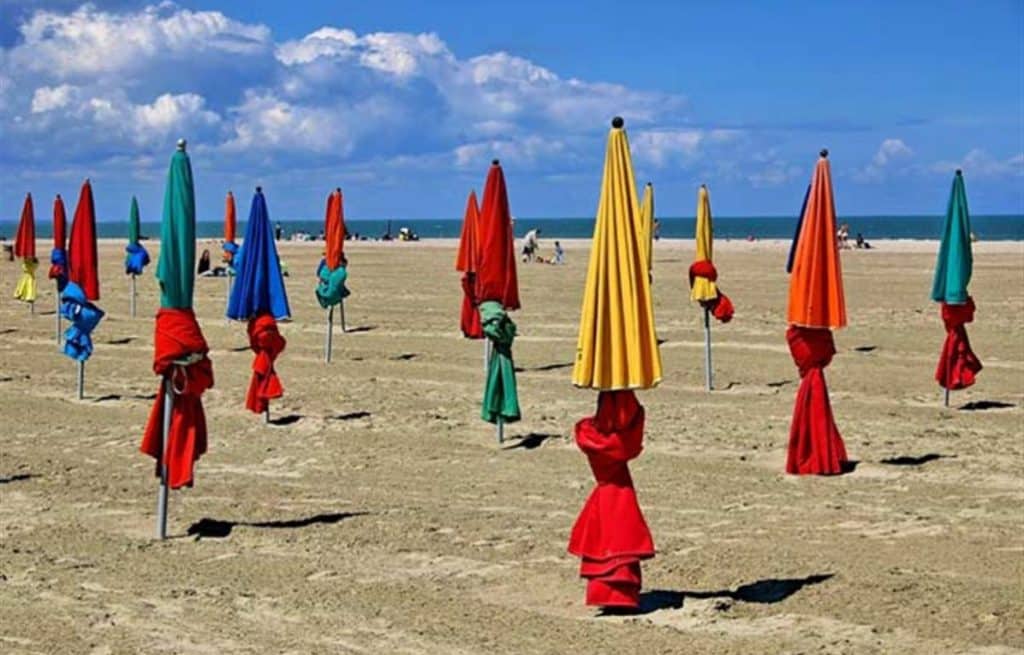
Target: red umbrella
(266, 343)
(82, 259)
(59, 256)
(466, 262)
(25, 239)
(496, 275)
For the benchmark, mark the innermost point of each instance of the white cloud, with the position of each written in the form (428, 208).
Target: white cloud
(978, 163)
(891, 149)
(47, 98)
(891, 152)
(664, 147)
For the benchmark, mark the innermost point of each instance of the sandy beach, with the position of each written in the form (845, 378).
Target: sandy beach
(377, 513)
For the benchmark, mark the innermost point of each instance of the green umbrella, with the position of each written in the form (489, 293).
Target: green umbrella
(501, 402)
(133, 222)
(953, 268)
(176, 267)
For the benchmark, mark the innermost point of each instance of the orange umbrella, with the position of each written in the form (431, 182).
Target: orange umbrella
(334, 230)
(816, 305)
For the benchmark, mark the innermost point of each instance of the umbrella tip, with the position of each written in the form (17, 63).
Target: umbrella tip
(495, 162)
(617, 122)
(259, 189)
(959, 172)
(824, 152)
(338, 189)
(181, 144)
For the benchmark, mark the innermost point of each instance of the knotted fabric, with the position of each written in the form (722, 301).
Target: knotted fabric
(59, 267)
(958, 365)
(469, 319)
(177, 338)
(25, 290)
(331, 289)
(228, 253)
(501, 402)
(610, 535)
(720, 306)
(815, 445)
(266, 343)
(84, 317)
(136, 259)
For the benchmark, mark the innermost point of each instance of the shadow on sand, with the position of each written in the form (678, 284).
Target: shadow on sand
(911, 460)
(531, 441)
(982, 405)
(217, 529)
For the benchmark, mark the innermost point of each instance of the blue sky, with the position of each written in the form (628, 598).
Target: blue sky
(404, 103)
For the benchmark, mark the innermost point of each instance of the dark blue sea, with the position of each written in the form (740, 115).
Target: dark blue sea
(987, 227)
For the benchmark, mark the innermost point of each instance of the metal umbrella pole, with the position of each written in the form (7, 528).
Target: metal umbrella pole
(161, 502)
(131, 303)
(707, 349)
(329, 337)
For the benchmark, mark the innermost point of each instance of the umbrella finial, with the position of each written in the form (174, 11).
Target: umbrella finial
(959, 172)
(495, 162)
(181, 144)
(824, 152)
(259, 189)
(617, 122)
(58, 195)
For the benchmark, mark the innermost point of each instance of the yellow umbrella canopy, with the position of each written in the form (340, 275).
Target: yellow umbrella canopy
(703, 289)
(647, 225)
(617, 347)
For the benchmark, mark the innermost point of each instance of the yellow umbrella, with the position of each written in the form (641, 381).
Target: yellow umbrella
(646, 227)
(703, 289)
(617, 347)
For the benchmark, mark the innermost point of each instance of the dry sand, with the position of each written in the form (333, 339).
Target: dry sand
(378, 515)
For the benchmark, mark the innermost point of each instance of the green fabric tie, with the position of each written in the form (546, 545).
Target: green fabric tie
(331, 289)
(501, 402)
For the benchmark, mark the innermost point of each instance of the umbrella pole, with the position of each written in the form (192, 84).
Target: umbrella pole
(266, 414)
(81, 380)
(329, 337)
(499, 427)
(57, 316)
(131, 304)
(161, 501)
(32, 307)
(227, 296)
(707, 349)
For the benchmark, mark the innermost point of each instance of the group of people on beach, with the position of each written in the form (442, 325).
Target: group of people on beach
(531, 244)
(843, 239)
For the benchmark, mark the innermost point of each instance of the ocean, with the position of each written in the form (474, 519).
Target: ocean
(986, 227)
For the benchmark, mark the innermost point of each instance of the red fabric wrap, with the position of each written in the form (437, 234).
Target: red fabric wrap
(721, 307)
(266, 343)
(958, 365)
(177, 336)
(815, 446)
(469, 320)
(610, 535)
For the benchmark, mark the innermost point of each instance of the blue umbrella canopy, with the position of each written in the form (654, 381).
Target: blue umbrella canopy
(259, 284)
(955, 262)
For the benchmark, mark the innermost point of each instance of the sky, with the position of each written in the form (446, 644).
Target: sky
(404, 103)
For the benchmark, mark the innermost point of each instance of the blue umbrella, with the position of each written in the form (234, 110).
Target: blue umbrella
(259, 284)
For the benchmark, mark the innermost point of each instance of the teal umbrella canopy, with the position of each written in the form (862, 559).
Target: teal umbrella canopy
(176, 268)
(955, 262)
(133, 222)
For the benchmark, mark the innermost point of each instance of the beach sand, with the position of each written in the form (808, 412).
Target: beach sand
(379, 515)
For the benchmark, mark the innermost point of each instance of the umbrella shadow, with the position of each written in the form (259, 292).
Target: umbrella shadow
(762, 592)
(404, 357)
(912, 460)
(982, 405)
(531, 441)
(107, 398)
(545, 367)
(779, 384)
(8, 330)
(361, 328)
(143, 396)
(865, 349)
(48, 312)
(238, 349)
(850, 465)
(218, 529)
(287, 419)
(351, 416)
(17, 477)
(121, 342)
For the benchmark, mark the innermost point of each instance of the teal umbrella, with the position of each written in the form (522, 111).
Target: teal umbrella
(953, 268)
(177, 264)
(136, 258)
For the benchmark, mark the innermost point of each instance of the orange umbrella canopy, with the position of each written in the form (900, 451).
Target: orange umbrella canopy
(496, 271)
(469, 244)
(230, 222)
(334, 230)
(816, 297)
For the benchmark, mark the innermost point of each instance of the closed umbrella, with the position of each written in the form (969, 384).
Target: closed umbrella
(704, 277)
(646, 227)
(259, 297)
(83, 285)
(136, 258)
(466, 262)
(229, 248)
(616, 354)
(175, 433)
(816, 307)
(958, 365)
(497, 293)
(25, 247)
(59, 255)
(333, 270)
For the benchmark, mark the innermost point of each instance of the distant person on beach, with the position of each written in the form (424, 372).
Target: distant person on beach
(861, 243)
(559, 254)
(657, 229)
(530, 243)
(203, 268)
(843, 236)
(278, 231)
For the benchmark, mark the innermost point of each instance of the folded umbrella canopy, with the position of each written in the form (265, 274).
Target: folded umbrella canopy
(25, 247)
(230, 248)
(259, 297)
(958, 365)
(175, 434)
(332, 272)
(83, 263)
(466, 262)
(136, 258)
(646, 226)
(617, 352)
(59, 255)
(703, 279)
(497, 293)
(816, 306)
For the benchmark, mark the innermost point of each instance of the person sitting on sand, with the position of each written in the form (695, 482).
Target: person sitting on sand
(203, 268)
(861, 243)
